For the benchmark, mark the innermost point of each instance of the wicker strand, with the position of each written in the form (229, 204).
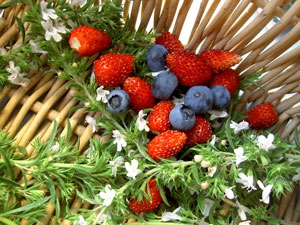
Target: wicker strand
(157, 9)
(146, 15)
(163, 17)
(181, 17)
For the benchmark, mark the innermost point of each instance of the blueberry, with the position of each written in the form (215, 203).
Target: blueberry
(221, 97)
(156, 58)
(182, 118)
(164, 85)
(199, 99)
(118, 101)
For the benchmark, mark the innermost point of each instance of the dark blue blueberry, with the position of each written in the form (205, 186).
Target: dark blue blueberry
(156, 58)
(221, 97)
(182, 118)
(164, 85)
(118, 101)
(199, 99)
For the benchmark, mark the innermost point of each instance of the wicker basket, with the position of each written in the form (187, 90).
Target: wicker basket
(235, 25)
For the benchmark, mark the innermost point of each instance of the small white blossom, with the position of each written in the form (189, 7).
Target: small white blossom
(35, 48)
(247, 181)
(171, 216)
(52, 30)
(214, 138)
(205, 164)
(198, 158)
(237, 127)
(229, 193)
(132, 169)
(207, 206)
(265, 143)
(78, 3)
(141, 123)
(16, 76)
(215, 114)
(204, 185)
(178, 101)
(266, 192)
(242, 210)
(55, 148)
(47, 13)
(90, 120)
(115, 164)
(102, 94)
(239, 155)
(119, 140)
(211, 171)
(81, 221)
(248, 222)
(108, 195)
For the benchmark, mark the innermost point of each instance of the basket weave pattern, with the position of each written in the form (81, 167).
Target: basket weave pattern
(28, 112)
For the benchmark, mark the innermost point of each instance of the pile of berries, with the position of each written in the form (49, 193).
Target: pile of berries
(208, 78)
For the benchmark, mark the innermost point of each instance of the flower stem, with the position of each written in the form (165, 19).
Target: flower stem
(6, 221)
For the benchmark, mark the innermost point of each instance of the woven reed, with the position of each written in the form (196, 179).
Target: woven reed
(28, 113)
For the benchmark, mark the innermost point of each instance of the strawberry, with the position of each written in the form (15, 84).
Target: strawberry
(166, 144)
(189, 68)
(139, 92)
(170, 42)
(219, 60)
(262, 116)
(88, 40)
(200, 133)
(150, 204)
(228, 78)
(158, 120)
(112, 69)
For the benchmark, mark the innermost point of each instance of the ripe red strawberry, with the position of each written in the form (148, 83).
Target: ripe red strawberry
(139, 92)
(228, 78)
(166, 144)
(200, 133)
(158, 120)
(112, 69)
(88, 40)
(147, 205)
(262, 116)
(219, 60)
(170, 42)
(189, 68)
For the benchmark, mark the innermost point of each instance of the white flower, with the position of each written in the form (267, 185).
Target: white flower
(16, 76)
(35, 48)
(53, 30)
(211, 171)
(229, 193)
(55, 148)
(214, 138)
(242, 210)
(47, 13)
(108, 195)
(178, 101)
(119, 140)
(81, 221)
(247, 181)
(239, 155)
(265, 143)
(171, 216)
(78, 3)
(198, 158)
(266, 192)
(207, 206)
(115, 164)
(217, 114)
(244, 125)
(90, 120)
(141, 123)
(132, 169)
(248, 222)
(205, 164)
(102, 94)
